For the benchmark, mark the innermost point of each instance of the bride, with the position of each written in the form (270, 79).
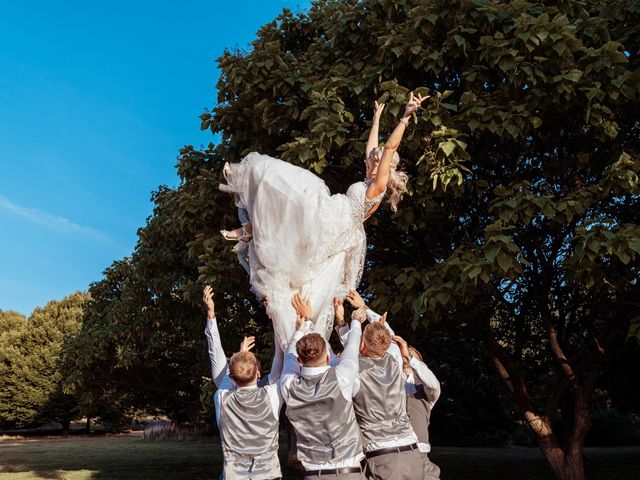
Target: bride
(298, 238)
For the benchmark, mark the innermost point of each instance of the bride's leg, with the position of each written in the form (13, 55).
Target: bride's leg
(242, 234)
(227, 172)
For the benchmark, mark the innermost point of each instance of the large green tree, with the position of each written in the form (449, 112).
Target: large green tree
(33, 363)
(142, 344)
(522, 227)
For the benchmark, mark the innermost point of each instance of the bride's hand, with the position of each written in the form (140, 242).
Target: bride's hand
(413, 104)
(377, 110)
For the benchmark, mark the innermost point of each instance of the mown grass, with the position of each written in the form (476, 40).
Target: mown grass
(123, 458)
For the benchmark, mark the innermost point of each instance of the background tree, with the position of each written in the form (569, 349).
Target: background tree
(142, 345)
(522, 227)
(32, 364)
(520, 232)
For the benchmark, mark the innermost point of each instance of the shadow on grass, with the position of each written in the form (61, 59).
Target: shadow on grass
(124, 458)
(111, 458)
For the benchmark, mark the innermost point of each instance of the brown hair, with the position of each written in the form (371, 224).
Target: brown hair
(377, 338)
(243, 367)
(311, 350)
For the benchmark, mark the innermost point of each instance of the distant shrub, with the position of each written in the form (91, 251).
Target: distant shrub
(163, 431)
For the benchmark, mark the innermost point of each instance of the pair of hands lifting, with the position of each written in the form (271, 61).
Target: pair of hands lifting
(302, 307)
(359, 304)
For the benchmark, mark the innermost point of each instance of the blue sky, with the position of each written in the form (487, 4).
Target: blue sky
(96, 99)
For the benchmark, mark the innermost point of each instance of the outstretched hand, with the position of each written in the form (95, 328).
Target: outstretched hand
(377, 110)
(414, 103)
(302, 306)
(355, 299)
(403, 346)
(207, 299)
(247, 344)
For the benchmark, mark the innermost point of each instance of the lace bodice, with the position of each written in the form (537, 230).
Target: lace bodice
(357, 194)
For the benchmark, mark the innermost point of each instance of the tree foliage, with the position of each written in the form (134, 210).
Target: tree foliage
(521, 225)
(32, 363)
(142, 346)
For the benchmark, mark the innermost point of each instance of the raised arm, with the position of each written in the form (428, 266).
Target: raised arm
(276, 364)
(291, 366)
(217, 357)
(348, 368)
(427, 378)
(379, 185)
(356, 301)
(302, 308)
(372, 142)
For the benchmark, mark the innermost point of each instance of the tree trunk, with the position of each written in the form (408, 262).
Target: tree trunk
(566, 463)
(87, 426)
(65, 427)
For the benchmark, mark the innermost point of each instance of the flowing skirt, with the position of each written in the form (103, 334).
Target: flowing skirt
(305, 240)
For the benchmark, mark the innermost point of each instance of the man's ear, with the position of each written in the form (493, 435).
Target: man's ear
(258, 374)
(363, 346)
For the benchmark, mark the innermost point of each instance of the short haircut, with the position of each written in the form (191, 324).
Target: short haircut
(377, 338)
(311, 349)
(243, 367)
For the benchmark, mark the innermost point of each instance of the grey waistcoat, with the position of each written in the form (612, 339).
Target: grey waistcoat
(249, 435)
(419, 412)
(323, 419)
(380, 404)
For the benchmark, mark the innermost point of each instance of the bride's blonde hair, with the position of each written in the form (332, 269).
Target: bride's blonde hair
(398, 179)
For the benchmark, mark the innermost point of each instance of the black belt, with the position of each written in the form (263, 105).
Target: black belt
(384, 451)
(333, 471)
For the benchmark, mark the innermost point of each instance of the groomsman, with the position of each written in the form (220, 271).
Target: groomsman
(423, 391)
(390, 443)
(247, 415)
(319, 401)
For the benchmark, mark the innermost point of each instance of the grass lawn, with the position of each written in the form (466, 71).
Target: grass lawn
(131, 457)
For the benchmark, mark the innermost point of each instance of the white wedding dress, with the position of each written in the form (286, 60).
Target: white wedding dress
(305, 240)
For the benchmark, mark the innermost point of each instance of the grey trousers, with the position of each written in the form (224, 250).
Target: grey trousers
(431, 470)
(337, 476)
(396, 466)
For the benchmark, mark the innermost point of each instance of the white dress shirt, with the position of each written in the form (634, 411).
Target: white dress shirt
(220, 372)
(346, 372)
(394, 351)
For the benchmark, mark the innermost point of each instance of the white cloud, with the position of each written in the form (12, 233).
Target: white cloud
(50, 221)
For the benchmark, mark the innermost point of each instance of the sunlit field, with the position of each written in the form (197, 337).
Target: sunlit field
(131, 457)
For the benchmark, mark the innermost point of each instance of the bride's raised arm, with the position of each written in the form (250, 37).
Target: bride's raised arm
(372, 142)
(379, 185)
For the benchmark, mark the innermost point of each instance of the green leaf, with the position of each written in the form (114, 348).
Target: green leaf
(447, 147)
(505, 261)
